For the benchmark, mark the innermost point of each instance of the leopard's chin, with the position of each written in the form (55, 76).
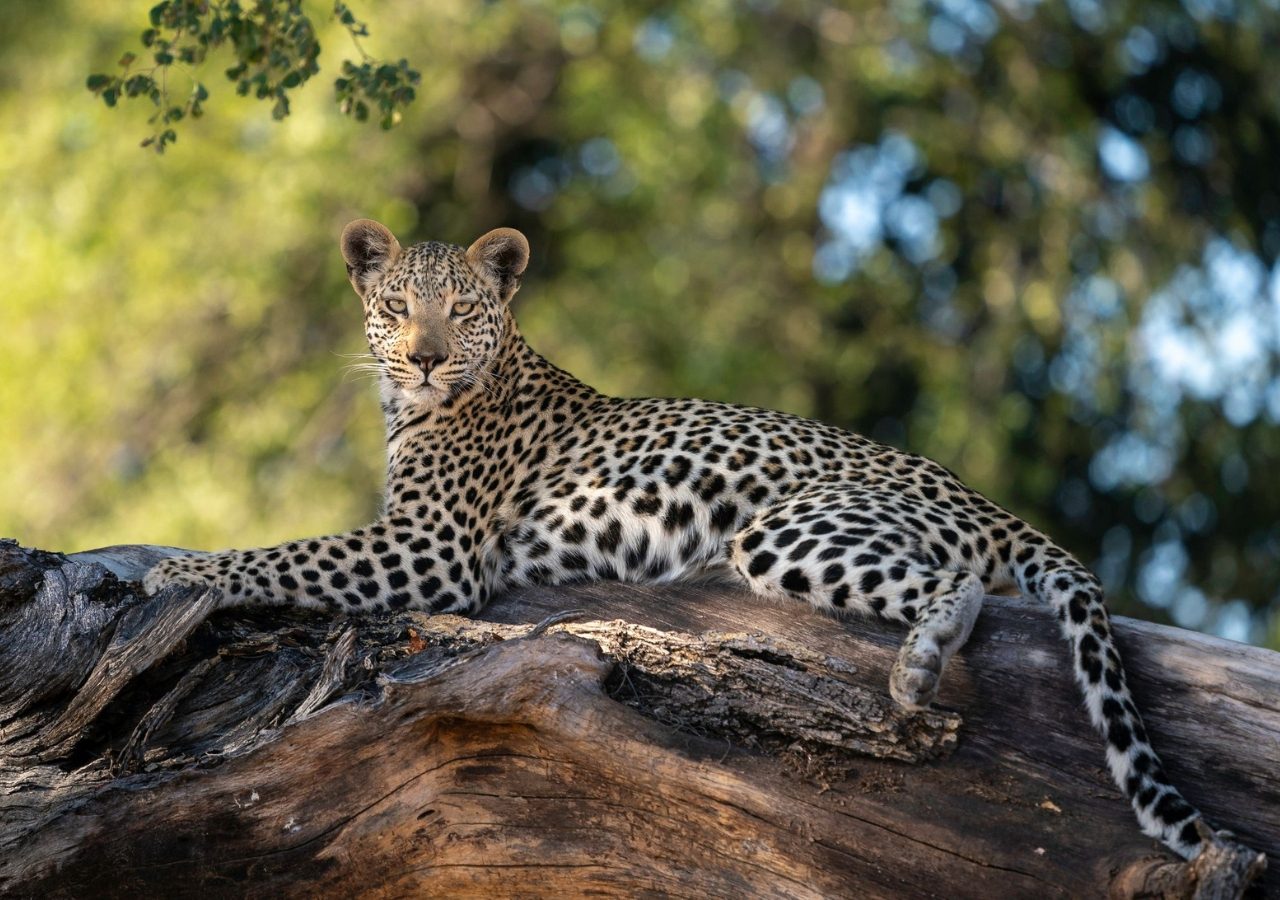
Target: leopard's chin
(426, 395)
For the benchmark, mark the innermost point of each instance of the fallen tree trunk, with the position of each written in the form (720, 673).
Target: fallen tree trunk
(663, 740)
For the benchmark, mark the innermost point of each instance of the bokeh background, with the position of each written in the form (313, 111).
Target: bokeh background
(1037, 242)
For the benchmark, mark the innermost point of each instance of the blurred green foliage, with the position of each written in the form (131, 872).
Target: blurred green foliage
(1036, 242)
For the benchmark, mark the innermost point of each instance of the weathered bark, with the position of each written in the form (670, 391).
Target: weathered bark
(672, 740)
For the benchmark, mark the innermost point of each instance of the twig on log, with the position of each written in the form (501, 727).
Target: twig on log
(132, 755)
(333, 675)
(1220, 872)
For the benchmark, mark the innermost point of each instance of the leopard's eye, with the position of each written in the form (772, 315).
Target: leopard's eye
(397, 305)
(463, 308)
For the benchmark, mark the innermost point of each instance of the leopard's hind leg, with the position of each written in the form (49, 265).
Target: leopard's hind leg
(853, 549)
(940, 629)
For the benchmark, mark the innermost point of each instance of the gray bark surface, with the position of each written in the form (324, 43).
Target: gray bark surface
(608, 738)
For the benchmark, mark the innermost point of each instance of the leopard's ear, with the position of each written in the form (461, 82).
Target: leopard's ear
(501, 256)
(370, 249)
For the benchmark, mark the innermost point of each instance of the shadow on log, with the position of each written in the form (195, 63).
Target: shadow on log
(639, 741)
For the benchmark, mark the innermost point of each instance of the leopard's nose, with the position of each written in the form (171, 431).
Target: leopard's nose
(427, 361)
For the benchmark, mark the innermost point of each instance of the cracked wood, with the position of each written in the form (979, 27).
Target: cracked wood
(672, 740)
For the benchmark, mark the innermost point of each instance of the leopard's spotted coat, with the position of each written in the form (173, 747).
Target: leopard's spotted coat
(504, 470)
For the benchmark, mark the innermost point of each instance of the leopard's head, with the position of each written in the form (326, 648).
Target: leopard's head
(435, 314)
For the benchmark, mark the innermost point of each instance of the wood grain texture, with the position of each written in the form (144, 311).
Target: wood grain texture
(664, 741)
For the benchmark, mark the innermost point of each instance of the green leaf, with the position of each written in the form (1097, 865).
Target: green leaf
(96, 83)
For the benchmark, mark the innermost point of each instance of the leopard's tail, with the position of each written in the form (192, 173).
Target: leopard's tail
(1048, 573)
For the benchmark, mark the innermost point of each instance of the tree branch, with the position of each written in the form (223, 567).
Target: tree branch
(663, 739)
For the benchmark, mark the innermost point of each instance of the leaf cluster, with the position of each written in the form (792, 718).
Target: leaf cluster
(275, 51)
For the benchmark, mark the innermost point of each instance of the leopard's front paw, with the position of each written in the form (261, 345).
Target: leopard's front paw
(914, 679)
(169, 571)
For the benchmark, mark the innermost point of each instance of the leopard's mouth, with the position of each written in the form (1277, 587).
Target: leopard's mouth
(425, 393)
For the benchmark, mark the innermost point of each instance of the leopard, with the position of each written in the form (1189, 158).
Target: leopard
(503, 470)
